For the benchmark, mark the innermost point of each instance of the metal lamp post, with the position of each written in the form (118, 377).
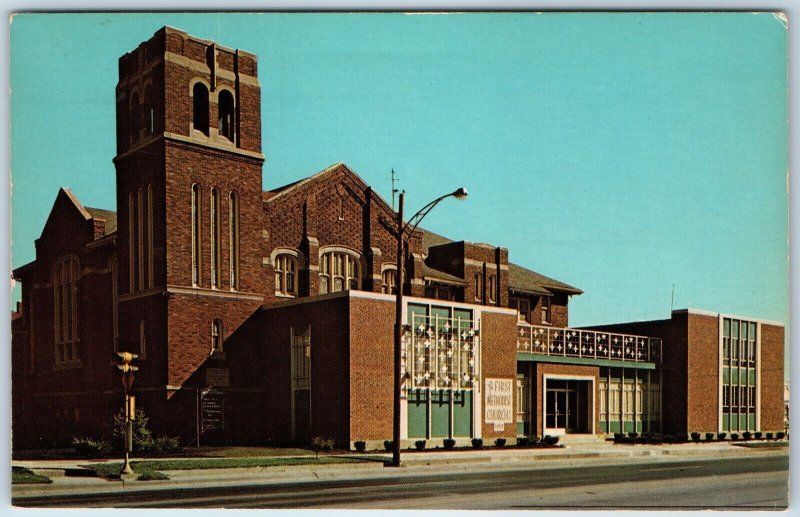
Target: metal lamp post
(413, 222)
(127, 370)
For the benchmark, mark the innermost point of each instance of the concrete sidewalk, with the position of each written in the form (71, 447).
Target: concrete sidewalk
(416, 462)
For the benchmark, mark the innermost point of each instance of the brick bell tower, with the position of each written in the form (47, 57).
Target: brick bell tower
(188, 169)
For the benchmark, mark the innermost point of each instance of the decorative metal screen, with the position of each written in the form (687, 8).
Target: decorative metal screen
(441, 352)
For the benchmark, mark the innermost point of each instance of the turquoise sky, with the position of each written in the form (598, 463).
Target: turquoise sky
(620, 153)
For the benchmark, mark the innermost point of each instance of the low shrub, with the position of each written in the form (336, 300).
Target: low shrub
(633, 435)
(360, 445)
(388, 445)
(709, 437)
(747, 435)
(734, 436)
(683, 437)
(696, 437)
(165, 444)
(88, 448)
(500, 442)
(781, 435)
(758, 435)
(535, 440)
(721, 436)
(420, 444)
(477, 443)
(618, 436)
(320, 443)
(523, 441)
(550, 440)
(769, 436)
(449, 444)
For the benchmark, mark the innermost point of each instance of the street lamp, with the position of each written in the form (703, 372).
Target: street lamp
(127, 369)
(413, 222)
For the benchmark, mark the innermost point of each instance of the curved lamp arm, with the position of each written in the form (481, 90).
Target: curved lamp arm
(460, 193)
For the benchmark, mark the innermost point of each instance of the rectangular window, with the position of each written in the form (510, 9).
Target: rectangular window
(545, 309)
(301, 359)
(140, 238)
(523, 307)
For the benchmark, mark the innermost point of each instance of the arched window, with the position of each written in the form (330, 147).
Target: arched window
(149, 110)
(200, 108)
(65, 308)
(196, 249)
(214, 227)
(134, 116)
(233, 222)
(216, 336)
(226, 114)
(286, 274)
(478, 286)
(389, 281)
(338, 271)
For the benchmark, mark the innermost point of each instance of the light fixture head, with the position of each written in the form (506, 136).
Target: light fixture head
(461, 193)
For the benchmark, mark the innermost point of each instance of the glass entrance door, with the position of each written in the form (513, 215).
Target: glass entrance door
(565, 406)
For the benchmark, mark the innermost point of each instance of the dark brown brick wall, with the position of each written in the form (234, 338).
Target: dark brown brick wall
(703, 374)
(498, 346)
(772, 345)
(371, 369)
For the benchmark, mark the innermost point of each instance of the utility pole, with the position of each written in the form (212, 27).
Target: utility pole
(394, 189)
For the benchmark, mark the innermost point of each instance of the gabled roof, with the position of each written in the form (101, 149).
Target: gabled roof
(109, 216)
(519, 278)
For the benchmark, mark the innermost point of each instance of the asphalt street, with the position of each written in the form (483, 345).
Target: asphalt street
(756, 482)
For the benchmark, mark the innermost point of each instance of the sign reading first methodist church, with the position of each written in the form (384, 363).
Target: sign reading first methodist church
(498, 403)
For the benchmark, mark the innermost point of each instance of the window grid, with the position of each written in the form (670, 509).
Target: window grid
(286, 274)
(338, 271)
(739, 382)
(389, 281)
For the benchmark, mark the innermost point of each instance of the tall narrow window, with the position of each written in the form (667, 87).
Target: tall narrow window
(65, 309)
(131, 244)
(286, 274)
(523, 308)
(545, 309)
(233, 222)
(214, 227)
(115, 304)
(492, 288)
(150, 281)
(226, 114)
(200, 108)
(389, 278)
(142, 340)
(478, 287)
(216, 336)
(134, 115)
(140, 238)
(196, 248)
(149, 110)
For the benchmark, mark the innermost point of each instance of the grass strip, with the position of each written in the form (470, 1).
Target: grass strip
(21, 475)
(112, 469)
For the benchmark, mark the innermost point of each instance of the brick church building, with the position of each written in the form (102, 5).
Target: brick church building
(266, 317)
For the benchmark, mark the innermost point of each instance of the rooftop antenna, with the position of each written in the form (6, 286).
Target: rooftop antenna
(394, 190)
(672, 302)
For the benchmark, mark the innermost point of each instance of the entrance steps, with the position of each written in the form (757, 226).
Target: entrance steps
(581, 439)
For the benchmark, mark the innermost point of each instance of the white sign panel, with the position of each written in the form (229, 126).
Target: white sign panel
(499, 401)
